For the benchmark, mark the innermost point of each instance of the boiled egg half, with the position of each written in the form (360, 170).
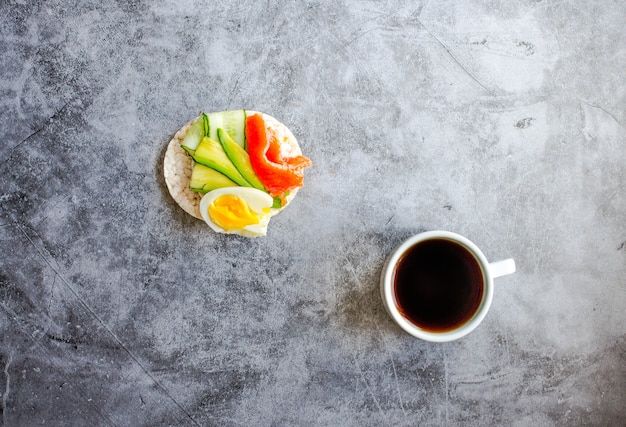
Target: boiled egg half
(237, 210)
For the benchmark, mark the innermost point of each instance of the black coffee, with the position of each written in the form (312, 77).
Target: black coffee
(438, 285)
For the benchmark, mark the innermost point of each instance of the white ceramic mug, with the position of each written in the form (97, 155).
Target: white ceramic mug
(489, 271)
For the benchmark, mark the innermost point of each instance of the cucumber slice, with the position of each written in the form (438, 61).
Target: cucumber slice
(211, 153)
(233, 122)
(240, 159)
(205, 179)
(205, 123)
(194, 136)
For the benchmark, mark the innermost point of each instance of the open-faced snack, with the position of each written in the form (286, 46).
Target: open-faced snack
(234, 170)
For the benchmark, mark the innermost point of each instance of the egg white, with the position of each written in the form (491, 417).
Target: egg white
(258, 201)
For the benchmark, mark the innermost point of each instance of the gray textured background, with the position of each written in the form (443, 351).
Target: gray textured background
(503, 121)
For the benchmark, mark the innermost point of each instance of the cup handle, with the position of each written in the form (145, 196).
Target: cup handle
(502, 268)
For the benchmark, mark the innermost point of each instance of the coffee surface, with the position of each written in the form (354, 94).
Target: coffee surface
(438, 285)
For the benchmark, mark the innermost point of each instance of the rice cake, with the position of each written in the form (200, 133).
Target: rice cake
(177, 165)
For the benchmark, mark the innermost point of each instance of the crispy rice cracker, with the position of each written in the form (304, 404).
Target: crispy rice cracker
(177, 165)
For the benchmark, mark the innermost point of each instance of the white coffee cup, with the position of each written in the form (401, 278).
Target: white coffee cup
(488, 271)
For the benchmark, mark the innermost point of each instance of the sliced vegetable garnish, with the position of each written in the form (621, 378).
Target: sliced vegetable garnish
(240, 159)
(204, 179)
(233, 122)
(193, 137)
(205, 121)
(211, 153)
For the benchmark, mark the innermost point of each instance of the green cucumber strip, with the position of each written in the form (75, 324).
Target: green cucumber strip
(193, 137)
(204, 179)
(205, 121)
(233, 122)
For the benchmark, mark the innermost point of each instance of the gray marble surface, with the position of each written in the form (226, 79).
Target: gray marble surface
(503, 121)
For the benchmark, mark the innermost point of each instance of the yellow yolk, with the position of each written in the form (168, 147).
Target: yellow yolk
(245, 211)
(231, 212)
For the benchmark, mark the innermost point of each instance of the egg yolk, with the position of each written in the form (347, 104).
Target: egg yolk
(231, 212)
